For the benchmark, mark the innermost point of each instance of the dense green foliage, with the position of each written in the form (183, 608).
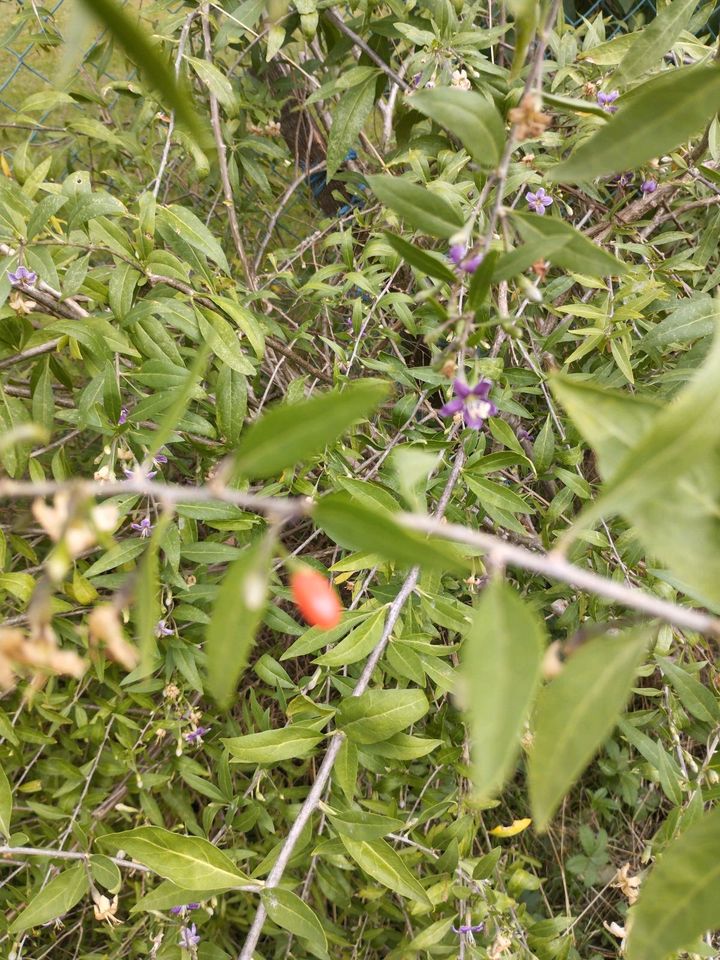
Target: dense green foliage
(473, 380)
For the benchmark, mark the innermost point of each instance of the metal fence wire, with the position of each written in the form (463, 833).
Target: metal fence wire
(30, 49)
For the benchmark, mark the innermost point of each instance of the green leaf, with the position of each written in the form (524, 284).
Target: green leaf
(511, 264)
(223, 341)
(576, 713)
(215, 80)
(151, 62)
(640, 130)
(105, 872)
(497, 496)
(147, 608)
(421, 259)
(379, 714)
(472, 118)
(190, 862)
(691, 320)
(5, 804)
(168, 894)
(357, 645)
(348, 119)
(680, 899)
(59, 896)
(378, 859)
(360, 825)
(419, 207)
(230, 403)
(652, 43)
(236, 615)
(291, 432)
(676, 447)
(194, 232)
(346, 768)
(273, 746)
(501, 660)
(356, 526)
(577, 254)
(694, 695)
(289, 912)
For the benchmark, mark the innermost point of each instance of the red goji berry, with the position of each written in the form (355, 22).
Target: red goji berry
(316, 600)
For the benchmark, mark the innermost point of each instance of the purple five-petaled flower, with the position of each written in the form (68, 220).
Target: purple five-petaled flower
(144, 528)
(163, 630)
(189, 937)
(538, 201)
(185, 908)
(648, 186)
(22, 276)
(472, 402)
(468, 928)
(606, 100)
(131, 474)
(122, 419)
(195, 736)
(458, 253)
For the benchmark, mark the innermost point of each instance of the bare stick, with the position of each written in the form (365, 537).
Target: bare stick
(556, 567)
(323, 775)
(171, 125)
(367, 50)
(163, 492)
(222, 159)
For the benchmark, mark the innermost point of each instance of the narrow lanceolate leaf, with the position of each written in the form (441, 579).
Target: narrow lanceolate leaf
(378, 859)
(273, 746)
(420, 259)
(576, 713)
(501, 660)
(190, 862)
(652, 43)
(5, 804)
(680, 900)
(168, 894)
(641, 130)
(289, 912)
(349, 117)
(356, 526)
(417, 206)
(575, 252)
(694, 695)
(472, 118)
(194, 232)
(357, 645)
(379, 714)
(152, 63)
(292, 432)
(689, 321)
(59, 896)
(684, 433)
(235, 618)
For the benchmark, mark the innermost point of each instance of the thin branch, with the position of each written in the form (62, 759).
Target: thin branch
(162, 492)
(281, 206)
(184, 34)
(555, 567)
(367, 50)
(326, 767)
(222, 159)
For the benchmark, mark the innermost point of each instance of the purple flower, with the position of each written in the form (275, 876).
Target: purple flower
(622, 180)
(123, 416)
(144, 528)
(185, 908)
(195, 736)
(648, 186)
(458, 253)
(468, 928)
(472, 402)
(131, 474)
(605, 100)
(539, 201)
(160, 458)
(163, 630)
(22, 276)
(189, 937)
